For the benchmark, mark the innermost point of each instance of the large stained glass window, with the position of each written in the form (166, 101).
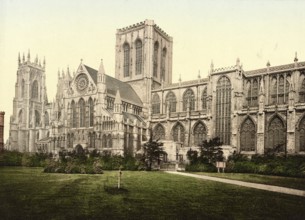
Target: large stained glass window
(178, 133)
(188, 99)
(139, 57)
(156, 104)
(170, 102)
(223, 110)
(126, 49)
(159, 132)
(247, 136)
(156, 52)
(200, 133)
(276, 134)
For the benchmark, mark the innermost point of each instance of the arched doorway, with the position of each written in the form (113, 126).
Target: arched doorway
(79, 149)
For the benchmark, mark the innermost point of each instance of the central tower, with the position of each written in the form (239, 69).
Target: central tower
(143, 58)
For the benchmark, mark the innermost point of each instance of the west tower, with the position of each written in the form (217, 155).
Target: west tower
(144, 58)
(29, 112)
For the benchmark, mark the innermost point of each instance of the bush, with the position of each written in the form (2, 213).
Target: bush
(200, 167)
(271, 164)
(10, 158)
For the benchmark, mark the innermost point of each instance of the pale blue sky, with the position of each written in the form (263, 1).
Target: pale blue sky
(64, 31)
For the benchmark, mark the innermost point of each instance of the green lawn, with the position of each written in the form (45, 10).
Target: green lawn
(290, 182)
(27, 193)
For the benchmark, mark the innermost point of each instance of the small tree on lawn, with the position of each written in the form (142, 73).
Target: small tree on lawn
(152, 150)
(210, 151)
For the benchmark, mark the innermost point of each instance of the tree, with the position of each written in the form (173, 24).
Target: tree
(210, 151)
(152, 150)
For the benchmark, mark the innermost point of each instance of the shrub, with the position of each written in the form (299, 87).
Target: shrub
(200, 167)
(10, 158)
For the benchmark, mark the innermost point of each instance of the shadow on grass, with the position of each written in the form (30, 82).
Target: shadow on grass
(115, 190)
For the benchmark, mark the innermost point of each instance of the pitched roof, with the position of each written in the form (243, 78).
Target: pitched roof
(92, 72)
(291, 66)
(126, 91)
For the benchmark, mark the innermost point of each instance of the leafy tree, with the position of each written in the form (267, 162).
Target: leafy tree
(152, 150)
(210, 151)
(192, 156)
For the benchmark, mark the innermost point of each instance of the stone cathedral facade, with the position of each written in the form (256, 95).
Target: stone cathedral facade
(251, 111)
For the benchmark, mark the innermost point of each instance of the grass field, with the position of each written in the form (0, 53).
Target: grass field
(290, 182)
(27, 193)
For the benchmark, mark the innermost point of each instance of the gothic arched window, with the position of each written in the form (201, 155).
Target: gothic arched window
(20, 118)
(302, 92)
(204, 98)
(109, 141)
(139, 57)
(126, 49)
(281, 90)
(254, 96)
(159, 132)
(156, 104)
(22, 88)
(104, 141)
(170, 102)
(302, 134)
(223, 110)
(37, 118)
(188, 99)
(82, 113)
(73, 115)
(247, 136)
(200, 133)
(35, 90)
(273, 90)
(156, 52)
(163, 61)
(178, 133)
(46, 119)
(276, 134)
(91, 112)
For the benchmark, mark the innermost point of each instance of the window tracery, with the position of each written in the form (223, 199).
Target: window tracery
(247, 136)
(82, 113)
(178, 133)
(159, 132)
(126, 49)
(276, 134)
(199, 133)
(73, 115)
(156, 52)
(138, 57)
(302, 92)
(188, 99)
(170, 102)
(35, 90)
(156, 104)
(163, 61)
(37, 118)
(204, 98)
(91, 112)
(223, 110)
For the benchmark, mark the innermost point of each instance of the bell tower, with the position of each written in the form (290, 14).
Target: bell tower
(28, 104)
(143, 58)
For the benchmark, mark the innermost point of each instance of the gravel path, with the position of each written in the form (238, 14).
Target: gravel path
(271, 188)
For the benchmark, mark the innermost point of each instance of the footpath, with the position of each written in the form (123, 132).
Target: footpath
(271, 188)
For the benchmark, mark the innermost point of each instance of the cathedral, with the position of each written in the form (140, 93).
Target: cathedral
(251, 111)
